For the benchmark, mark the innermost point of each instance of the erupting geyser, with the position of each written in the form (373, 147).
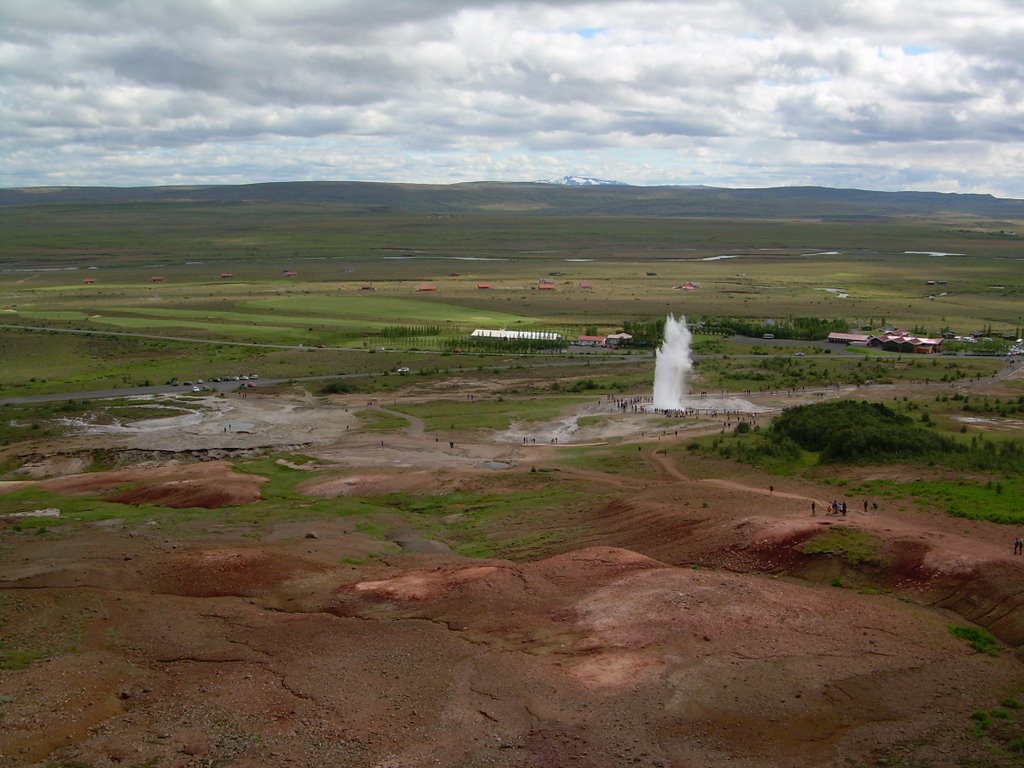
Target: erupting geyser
(672, 366)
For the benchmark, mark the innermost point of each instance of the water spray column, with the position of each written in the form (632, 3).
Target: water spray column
(672, 365)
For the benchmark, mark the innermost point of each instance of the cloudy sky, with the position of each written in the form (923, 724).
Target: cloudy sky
(875, 94)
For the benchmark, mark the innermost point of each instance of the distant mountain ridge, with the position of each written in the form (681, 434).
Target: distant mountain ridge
(529, 198)
(582, 181)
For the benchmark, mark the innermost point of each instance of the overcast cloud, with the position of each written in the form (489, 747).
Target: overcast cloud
(876, 94)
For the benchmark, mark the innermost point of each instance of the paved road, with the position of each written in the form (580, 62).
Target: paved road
(595, 356)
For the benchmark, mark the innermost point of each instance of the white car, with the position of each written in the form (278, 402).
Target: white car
(401, 370)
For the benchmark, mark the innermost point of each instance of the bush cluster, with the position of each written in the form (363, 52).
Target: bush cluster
(852, 431)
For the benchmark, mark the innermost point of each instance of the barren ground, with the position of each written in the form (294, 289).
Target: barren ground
(668, 621)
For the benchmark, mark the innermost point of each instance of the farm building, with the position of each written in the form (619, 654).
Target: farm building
(856, 339)
(89, 280)
(616, 339)
(546, 281)
(586, 284)
(290, 273)
(426, 287)
(902, 341)
(156, 279)
(546, 286)
(589, 341)
(226, 275)
(484, 333)
(892, 340)
(687, 286)
(483, 286)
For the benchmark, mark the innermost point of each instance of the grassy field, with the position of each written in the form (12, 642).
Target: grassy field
(355, 278)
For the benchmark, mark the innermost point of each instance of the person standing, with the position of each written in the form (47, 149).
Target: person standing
(814, 508)
(1018, 545)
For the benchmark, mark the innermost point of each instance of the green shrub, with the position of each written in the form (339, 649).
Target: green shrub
(977, 638)
(982, 722)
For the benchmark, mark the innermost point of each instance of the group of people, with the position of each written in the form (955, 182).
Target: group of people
(630, 404)
(835, 508)
(641, 404)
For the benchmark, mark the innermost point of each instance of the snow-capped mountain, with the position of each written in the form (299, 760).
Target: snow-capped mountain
(581, 181)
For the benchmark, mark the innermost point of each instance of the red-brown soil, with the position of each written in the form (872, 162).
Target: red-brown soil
(670, 619)
(211, 485)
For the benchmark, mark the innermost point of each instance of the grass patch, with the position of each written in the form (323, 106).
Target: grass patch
(853, 547)
(982, 722)
(490, 414)
(381, 420)
(994, 501)
(79, 509)
(513, 523)
(980, 640)
(19, 659)
(609, 459)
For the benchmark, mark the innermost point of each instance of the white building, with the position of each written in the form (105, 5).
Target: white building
(484, 333)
